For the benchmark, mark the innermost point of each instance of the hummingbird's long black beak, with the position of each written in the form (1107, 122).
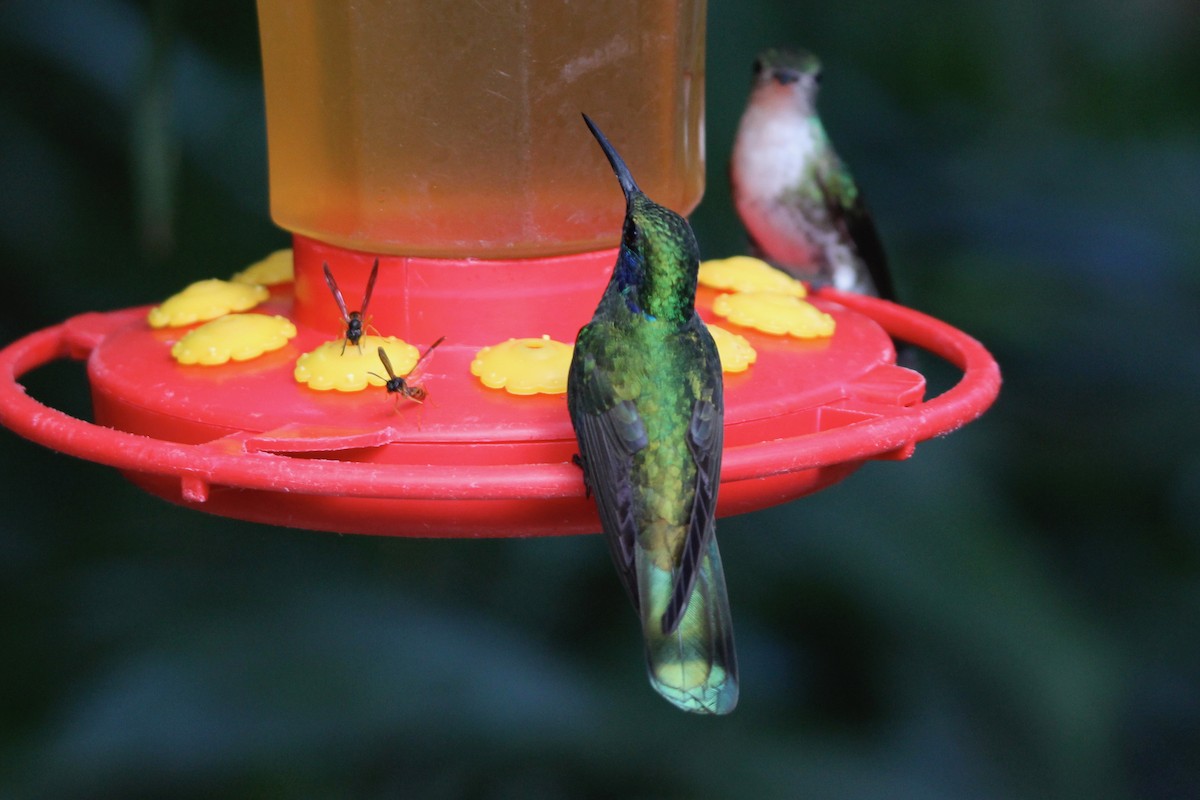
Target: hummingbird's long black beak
(628, 185)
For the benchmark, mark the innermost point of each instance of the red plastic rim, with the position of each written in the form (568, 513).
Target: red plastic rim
(391, 476)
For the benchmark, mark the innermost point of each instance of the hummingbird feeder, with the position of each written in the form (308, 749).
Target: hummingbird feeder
(438, 169)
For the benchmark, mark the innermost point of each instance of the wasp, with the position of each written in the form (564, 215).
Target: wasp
(398, 384)
(352, 319)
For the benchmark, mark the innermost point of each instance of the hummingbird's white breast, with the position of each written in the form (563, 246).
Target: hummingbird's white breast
(770, 154)
(771, 157)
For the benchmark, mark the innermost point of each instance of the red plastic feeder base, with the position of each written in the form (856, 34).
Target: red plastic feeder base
(246, 440)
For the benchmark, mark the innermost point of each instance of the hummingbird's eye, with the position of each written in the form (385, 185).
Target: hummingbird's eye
(631, 237)
(758, 67)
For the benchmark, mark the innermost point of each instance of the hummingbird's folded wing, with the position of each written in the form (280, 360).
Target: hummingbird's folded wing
(706, 436)
(610, 432)
(849, 214)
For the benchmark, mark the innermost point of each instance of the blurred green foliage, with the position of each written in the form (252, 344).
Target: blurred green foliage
(1012, 613)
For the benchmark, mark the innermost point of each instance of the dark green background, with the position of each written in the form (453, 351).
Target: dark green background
(1013, 613)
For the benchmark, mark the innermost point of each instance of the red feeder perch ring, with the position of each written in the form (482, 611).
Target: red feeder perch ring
(245, 440)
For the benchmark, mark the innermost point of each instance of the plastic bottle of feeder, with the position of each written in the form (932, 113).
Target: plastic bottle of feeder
(426, 128)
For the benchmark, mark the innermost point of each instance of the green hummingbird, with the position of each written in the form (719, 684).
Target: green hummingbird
(798, 201)
(644, 393)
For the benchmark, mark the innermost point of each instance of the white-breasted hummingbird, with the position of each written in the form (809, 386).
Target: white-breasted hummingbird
(798, 201)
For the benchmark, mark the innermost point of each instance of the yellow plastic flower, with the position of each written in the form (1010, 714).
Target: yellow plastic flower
(524, 366)
(274, 269)
(237, 337)
(736, 353)
(746, 274)
(205, 300)
(327, 367)
(776, 314)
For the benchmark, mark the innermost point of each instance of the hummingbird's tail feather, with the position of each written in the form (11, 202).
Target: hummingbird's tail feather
(694, 666)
